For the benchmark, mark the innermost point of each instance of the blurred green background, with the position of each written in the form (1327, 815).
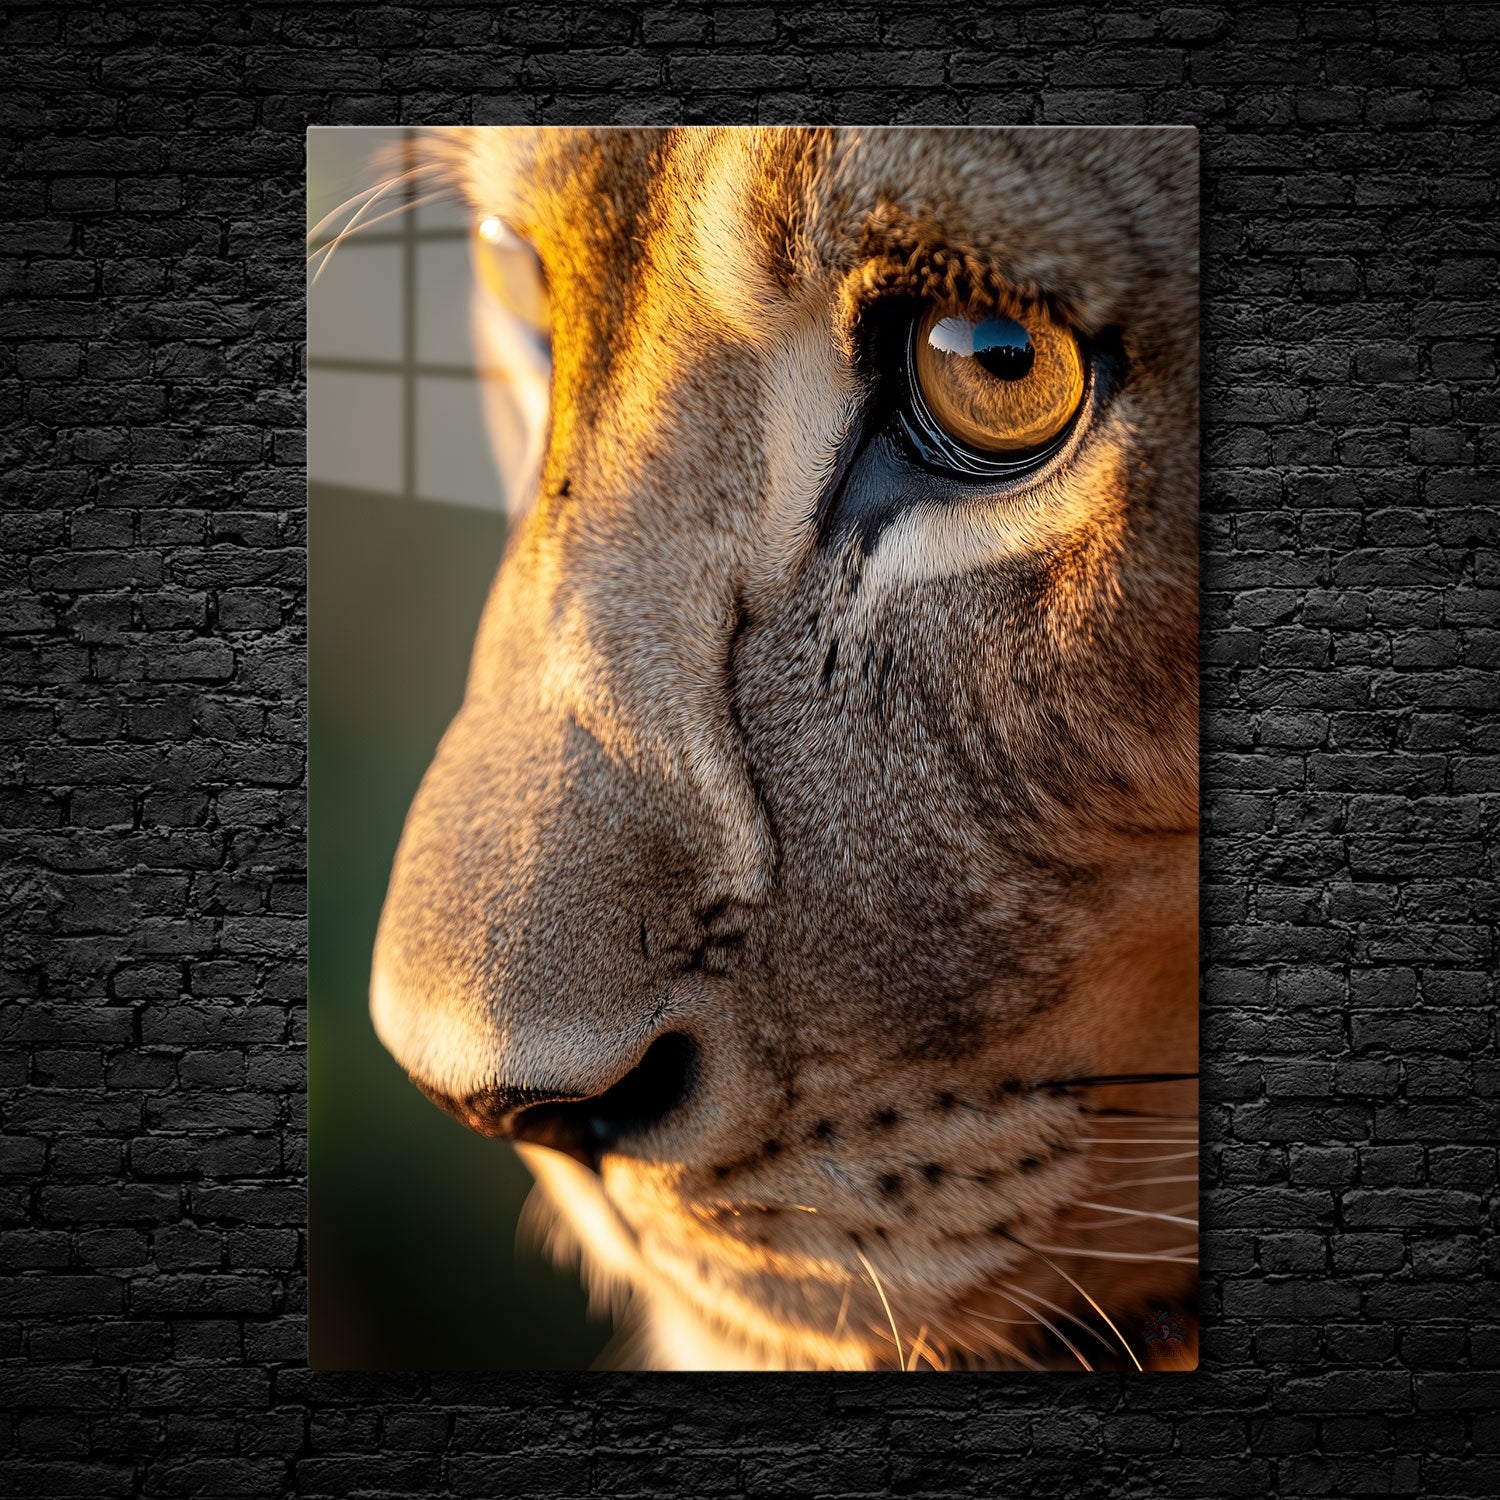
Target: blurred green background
(414, 1262)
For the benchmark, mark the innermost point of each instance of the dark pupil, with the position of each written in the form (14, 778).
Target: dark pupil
(1003, 348)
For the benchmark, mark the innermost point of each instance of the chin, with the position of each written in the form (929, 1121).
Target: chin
(1013, 1275)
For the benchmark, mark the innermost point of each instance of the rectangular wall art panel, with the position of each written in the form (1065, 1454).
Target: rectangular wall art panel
(754, 748)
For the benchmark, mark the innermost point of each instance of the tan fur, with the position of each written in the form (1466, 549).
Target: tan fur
(962, 868)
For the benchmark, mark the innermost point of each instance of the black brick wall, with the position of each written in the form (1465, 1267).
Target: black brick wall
(151, 977)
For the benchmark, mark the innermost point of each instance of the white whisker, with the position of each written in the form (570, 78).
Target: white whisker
(1173, 1255)
(838, 1326)
(1106, 1223)
(1133, 1182)
(399, 179)
(363, 196)
(1004, 1344)
(880, 1292)
(1166, 1155)
(920, 1346)
(1138, 1213)
(390, 213)
(1111, 1116)
(1020, 1298)
(1132, 1140)
(327, 250)
(1083, 1292)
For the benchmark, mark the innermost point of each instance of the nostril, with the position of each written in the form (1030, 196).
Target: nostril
(490, 1111)
(587, 1128)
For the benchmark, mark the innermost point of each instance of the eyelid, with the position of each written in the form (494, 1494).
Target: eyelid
(947, 271)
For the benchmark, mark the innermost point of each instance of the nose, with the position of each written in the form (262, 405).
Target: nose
(584, 1127)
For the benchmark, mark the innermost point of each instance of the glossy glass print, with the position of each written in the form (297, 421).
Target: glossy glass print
(804, 886)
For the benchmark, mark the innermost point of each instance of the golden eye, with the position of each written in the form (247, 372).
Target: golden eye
(1000, 386)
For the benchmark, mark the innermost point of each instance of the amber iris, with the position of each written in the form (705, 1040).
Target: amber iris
(997, 384)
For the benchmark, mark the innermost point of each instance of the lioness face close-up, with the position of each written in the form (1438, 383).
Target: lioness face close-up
(808, 885)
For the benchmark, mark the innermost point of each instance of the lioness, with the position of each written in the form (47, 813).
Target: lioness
(808, 882)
